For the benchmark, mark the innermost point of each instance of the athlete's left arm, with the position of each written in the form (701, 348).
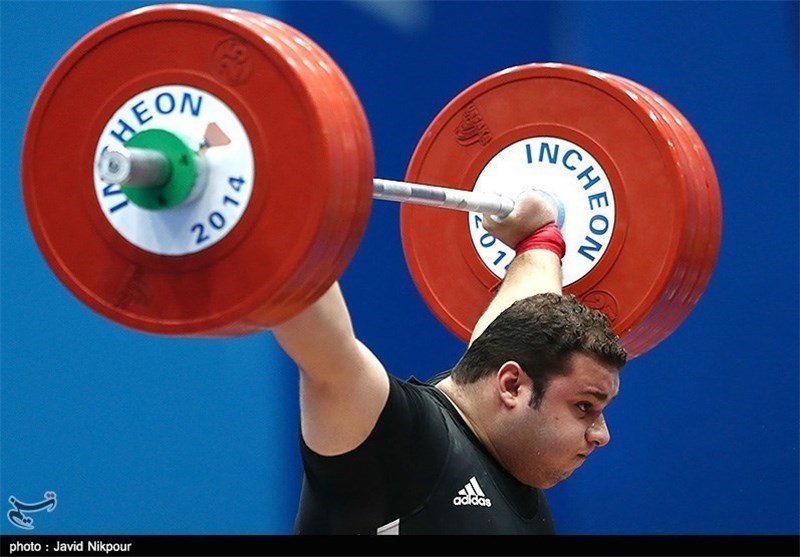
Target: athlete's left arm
(531, 272)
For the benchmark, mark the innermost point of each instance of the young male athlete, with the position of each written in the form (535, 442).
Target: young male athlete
(470, 451)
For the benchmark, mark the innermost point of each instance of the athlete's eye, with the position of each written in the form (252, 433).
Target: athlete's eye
(584, 406)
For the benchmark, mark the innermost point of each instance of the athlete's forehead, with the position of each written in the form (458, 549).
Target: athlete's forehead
(587, 377)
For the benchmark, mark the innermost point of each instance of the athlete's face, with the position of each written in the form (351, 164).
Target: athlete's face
(549, 442)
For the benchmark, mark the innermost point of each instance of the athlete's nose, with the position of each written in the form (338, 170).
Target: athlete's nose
(598, 433)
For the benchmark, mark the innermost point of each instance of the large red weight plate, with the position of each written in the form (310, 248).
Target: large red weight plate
(348, 192)
(237, 284)
(350, 135)
(706, 226)
(608, 147)
(708, 184)
(675, 303)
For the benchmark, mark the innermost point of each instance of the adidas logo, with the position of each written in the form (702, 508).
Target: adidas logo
(472, 494)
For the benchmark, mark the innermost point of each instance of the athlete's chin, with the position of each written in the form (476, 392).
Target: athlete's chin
(559, 479)
(546, 481)
(559, 476)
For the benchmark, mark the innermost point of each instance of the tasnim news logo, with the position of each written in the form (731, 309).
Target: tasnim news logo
(17, 515)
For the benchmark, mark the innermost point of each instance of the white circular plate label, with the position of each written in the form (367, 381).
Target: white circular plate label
(225, 171)
(567, 172)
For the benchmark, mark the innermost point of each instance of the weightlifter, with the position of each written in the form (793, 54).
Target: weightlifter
(470, 451)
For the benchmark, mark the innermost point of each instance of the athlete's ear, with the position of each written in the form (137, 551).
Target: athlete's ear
(512, 383)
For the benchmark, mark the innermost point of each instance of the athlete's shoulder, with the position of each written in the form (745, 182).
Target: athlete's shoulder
(417, 392)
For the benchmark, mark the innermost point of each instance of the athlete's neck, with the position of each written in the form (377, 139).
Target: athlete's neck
(466, 399)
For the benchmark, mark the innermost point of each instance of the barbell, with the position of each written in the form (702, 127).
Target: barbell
(152, 171)
(167, 151)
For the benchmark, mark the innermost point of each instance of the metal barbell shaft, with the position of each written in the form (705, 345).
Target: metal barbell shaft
(147, 168)
(131, 166)
(449, 198)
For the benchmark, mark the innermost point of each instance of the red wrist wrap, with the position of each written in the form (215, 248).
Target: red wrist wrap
(548, 237)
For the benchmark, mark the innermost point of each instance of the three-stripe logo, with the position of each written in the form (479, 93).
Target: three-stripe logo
(472, 494)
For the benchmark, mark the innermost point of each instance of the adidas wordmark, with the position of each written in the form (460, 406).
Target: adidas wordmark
(472, 494)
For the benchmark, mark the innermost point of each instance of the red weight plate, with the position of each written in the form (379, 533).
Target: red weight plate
(353, 139)
(685, 296)
(709, 184)
(593, 121)
(357, 142)
(209, 292)
(674, 306)
(351, 136)
(359, 150)
(345, 223)
(311, 272)
(704, 185)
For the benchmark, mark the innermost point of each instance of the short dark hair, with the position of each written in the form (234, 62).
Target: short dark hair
(540, 333)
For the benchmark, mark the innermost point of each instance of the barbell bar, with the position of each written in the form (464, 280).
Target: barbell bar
(149, 168)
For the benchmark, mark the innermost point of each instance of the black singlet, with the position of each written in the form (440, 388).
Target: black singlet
(420, 471)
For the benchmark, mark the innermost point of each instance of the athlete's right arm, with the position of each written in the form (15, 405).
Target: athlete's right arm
(343, 386)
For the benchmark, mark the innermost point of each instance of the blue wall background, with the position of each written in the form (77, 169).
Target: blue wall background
(142, 434)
